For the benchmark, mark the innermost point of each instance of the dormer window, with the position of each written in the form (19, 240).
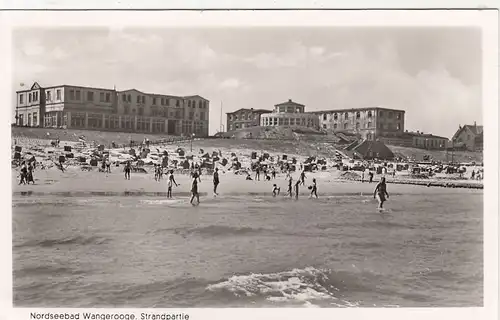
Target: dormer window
(346, 116)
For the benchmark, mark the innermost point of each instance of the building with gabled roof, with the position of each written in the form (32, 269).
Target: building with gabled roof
(469, 137)
(244, 118)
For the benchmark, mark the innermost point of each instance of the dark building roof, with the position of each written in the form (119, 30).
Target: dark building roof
(289, 102)
(251, 110)
(355, 109)
(424, 135)
(372, 149)
(475, 129)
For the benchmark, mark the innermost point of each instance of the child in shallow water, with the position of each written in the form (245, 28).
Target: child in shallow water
(276, 190)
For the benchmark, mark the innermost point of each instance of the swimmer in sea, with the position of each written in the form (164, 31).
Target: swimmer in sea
(171, 181)
(381, 193)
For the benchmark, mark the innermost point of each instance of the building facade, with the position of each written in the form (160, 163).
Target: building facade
(470, 137)
(244, 118)
(369, 123)
(111, 110)
(418, 140)
(289, 114)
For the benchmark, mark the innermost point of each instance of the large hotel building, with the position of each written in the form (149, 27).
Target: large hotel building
(369, 123)
(110, 110)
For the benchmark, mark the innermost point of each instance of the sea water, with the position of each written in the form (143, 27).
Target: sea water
(249, 251)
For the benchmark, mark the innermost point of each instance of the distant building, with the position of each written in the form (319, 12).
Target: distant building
(469, 137)
(368, 150)
(418, 140)
(368, 123)
(289, 114)
(244, 118)
(110, 110)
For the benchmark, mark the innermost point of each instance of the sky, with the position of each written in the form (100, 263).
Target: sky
(434, 74)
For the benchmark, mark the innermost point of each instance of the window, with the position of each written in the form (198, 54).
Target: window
(468, 137)
(29, 97)
(189, 103)
(90, 96)
(138, 99)
(324, 117)
(369, 114)
(369, 125)
(71, 94)
(154, 101)
(390, 114)
(199, 104)
(235, 117)
(398, 126)
(358, 115)
(345, 125)
(230, 117)
(21, 98)
(177, 103)
(167, 102)
(35, 118)
(58, 94)
(129, 98)
(124, 97)
(78, 95)
(381, 113)
(398, 116)
(334, 126)
(49, 96)
(101, 96)
(346, 116)
(108, 97)
(35, 96)
(204, 104)
(335, 116)
(143, 100)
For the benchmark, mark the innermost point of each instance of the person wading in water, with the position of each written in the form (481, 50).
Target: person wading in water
(380, 193)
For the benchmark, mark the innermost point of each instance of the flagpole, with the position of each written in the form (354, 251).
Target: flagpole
(221, 126)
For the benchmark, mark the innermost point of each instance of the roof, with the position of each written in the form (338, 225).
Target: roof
(475, 129)
(289, 102)
(425, 135)
(251, 110)
(37, 86)
(356, 109)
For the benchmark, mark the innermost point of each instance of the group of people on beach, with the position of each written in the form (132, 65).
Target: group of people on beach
(26, 173)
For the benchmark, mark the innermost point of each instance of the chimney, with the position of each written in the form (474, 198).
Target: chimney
(475, 124)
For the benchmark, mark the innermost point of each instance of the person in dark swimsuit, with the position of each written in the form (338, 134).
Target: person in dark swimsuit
(314, 189)
(127, 170)
(194, 192)
(216, 181)
(299, 181)
(380, 193)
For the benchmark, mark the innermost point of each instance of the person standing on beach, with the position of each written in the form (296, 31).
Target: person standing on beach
(216, 181)
(303, 177)
(273, 173)
(30, 174)
(370, 174)
(23, 174)
(108, 165)
(194, 192)
(127, 170)
(314, 189)
(297, 184)
(380, 193)
(170, 183)
(290, 181)
(257, 173)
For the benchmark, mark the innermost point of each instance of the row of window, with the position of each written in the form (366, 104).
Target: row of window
(32, 119)
(32, 97)
(431, 143)
(358, 115)
(244, 116)
(283, 109)
(368, 125)
(287, 122)
(163, 101)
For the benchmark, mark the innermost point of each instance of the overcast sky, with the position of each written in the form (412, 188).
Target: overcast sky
(432, 73)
